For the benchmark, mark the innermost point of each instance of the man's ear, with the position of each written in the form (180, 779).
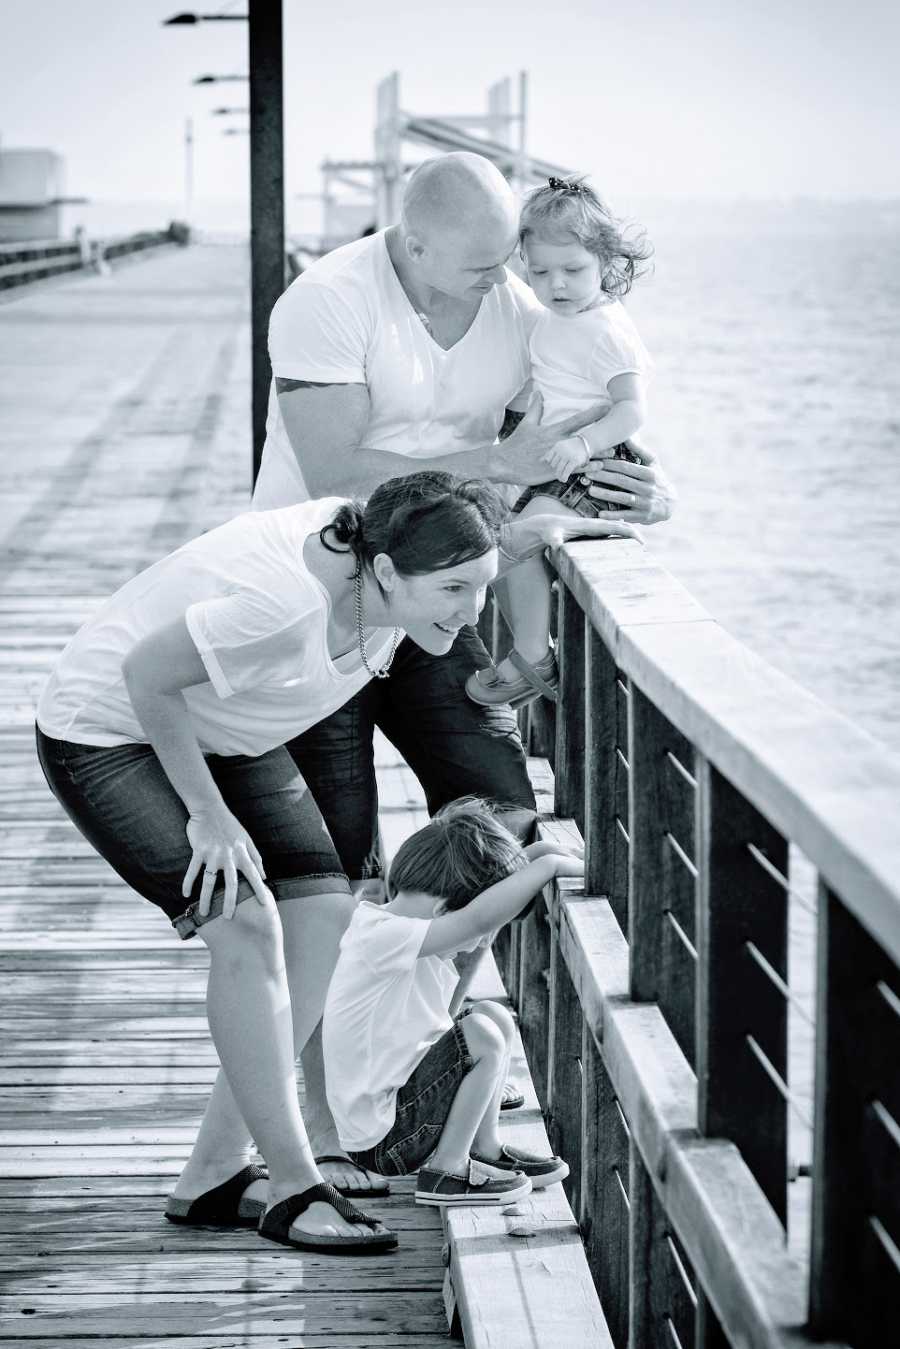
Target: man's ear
(415, 249)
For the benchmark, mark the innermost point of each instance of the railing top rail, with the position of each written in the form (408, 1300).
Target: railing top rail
(822, 781)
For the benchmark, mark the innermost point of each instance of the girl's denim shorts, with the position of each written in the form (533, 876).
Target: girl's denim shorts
(122, 802)
(423, 1104)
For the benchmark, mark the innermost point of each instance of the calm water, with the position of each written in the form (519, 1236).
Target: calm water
(776, 404)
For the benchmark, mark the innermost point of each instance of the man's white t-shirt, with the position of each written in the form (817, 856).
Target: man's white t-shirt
(259, 620)
(348, 320)
(573, 359)
(386, 1007)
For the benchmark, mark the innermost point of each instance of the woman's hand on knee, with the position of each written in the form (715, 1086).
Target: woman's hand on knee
(219, 842)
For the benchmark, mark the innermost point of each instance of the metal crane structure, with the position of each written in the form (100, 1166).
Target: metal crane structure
(362, 194)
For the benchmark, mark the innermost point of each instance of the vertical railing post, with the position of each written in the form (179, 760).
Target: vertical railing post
(571, 710)
(266, 198)
(662, 900)
(604, 1203)
(854, 1263)
(565, 1070)
(738, 1006)
(606, 779)
(662, 1288)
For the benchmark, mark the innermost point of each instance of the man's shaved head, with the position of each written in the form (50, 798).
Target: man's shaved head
(457, 192)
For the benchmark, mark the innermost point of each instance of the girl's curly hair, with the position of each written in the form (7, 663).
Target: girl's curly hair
(572, 207)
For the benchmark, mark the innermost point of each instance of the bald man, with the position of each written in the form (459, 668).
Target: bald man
(407, 350)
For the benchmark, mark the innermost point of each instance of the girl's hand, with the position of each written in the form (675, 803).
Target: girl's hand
(220, 842)
(567, 456)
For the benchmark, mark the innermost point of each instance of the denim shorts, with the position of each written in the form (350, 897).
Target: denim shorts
(423, 1104)
(122, 802)
(575, 493)
(454, 746)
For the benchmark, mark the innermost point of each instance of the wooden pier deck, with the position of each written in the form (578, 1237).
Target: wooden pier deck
(126, 430)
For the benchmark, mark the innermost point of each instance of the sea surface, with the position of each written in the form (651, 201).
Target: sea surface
(775, 329)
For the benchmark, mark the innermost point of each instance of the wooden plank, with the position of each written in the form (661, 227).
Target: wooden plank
(571, 722)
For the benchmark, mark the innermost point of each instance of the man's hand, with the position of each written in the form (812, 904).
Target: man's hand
(642, 492)
(521, 457)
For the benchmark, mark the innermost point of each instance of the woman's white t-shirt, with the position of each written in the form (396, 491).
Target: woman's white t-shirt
(259, 620)
(573, 359)
(386, 1007)
(348, 320)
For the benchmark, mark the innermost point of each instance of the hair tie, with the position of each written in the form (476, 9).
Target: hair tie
(566, 185)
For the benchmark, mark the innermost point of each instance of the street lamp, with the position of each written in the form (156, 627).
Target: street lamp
(267, 255)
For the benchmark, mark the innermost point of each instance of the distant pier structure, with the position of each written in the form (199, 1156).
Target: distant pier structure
(359, 194)
(31, 194)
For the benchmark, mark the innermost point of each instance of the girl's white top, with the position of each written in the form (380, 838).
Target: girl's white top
(259, 620)
(386, 1007)
(573, 359)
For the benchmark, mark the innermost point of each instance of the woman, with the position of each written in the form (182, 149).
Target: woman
(161, 733)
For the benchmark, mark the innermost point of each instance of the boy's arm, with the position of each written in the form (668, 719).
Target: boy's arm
(496, 906)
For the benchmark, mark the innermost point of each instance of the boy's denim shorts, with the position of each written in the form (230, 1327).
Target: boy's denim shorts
(120, 799)
(423, 1104)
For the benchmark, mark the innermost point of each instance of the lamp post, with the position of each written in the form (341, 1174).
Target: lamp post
(267, 257)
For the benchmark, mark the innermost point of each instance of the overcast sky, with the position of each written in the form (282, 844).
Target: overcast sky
(759, 98)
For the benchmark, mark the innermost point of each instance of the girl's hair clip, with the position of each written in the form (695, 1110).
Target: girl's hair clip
(566, 185)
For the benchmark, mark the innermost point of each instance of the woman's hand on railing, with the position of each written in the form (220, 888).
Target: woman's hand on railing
(219, 842)
(641, 492)
(525, 535)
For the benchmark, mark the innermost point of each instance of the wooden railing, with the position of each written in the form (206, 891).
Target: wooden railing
(38, 259)
(654, 1006)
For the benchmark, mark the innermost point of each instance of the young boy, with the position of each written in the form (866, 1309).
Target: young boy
(406, 1082)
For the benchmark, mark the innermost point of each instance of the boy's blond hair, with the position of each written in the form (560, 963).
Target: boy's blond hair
(463, 851)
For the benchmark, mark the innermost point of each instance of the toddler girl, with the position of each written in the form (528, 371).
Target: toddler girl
(585, 351)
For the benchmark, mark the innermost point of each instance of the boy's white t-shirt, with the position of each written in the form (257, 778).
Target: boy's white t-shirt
(348, 320)
(386, 1007)
(573, 359)
(259, 620)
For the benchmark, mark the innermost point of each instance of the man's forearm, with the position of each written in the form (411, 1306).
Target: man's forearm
(360, 471)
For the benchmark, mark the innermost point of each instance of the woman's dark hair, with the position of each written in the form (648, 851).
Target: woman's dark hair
(424, 522)
(572, 207)
(463, 851)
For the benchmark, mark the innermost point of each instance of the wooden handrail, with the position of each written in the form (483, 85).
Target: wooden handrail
(831, 788)
(654, 1008)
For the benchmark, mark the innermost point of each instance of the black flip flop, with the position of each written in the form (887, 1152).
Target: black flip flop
(276, 1224)
(377, 1192)
(224, 1206)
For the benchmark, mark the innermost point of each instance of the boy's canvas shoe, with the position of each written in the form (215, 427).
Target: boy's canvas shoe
(480, 1185)
(541, 1171)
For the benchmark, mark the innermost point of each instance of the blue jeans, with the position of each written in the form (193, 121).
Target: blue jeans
(124, 805)
(454, 746)
(423, 1104)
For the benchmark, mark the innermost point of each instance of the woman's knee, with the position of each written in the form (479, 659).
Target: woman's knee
(484, 1038)
(499, 1015)
(251, 938)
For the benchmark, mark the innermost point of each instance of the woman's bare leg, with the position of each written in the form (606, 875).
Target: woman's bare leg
(313, 927)
(249, 1009)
